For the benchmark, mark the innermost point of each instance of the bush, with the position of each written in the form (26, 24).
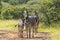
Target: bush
(12, 13)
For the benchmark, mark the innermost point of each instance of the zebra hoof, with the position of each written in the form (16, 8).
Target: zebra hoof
(21, 37)
(27, 37)
(32, 36)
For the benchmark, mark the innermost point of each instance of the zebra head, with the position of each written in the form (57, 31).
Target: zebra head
(35, 13)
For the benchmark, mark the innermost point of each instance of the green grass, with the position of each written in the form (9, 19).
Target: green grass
(8, 24)
(54, 28)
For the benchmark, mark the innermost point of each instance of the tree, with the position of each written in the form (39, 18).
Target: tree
(5, 0)
(13, 2)
(0, 8)
(51, 10)
(0, 4)
(23, 1)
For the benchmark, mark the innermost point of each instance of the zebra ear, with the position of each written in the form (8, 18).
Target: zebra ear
(35, 13)
(25, 13)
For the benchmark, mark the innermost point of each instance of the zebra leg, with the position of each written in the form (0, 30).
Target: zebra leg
(18, 32)
(30, 32)
(21, 32)
(35, 29)
(33, 32)
(37, 25)
(27, 31)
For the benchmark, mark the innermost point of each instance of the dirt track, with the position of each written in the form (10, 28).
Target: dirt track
(13, 35)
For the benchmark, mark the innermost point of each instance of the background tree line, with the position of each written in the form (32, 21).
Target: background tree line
(48, 10)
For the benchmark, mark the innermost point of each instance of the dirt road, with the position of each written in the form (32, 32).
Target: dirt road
(13, 35)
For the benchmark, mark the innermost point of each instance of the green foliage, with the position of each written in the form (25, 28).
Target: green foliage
(23, 1)
(5, 0)
(48, 10)
(12, 13)
(0, 4)
(13, 2)
(51, 10)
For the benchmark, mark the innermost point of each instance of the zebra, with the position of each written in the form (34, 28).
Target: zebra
(31, 23)
(37, 20)
(20, 28)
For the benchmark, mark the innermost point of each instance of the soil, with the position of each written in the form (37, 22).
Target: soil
(13, 35)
